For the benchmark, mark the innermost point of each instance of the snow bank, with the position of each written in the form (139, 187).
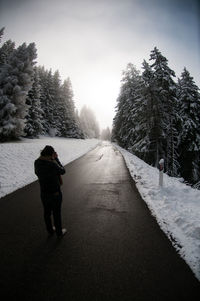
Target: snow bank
(17, 159)
(175, 206)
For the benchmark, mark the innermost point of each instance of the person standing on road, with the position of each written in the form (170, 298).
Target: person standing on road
(49, 170)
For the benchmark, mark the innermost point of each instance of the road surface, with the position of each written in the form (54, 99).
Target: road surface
(114, 249)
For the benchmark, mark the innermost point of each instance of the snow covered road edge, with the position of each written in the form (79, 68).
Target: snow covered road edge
(175, 206)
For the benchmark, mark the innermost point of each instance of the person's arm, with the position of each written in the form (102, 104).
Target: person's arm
(59, 168)
(58, 161)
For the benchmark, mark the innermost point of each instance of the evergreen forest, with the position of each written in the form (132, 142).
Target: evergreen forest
(158, 116)
(33, 101)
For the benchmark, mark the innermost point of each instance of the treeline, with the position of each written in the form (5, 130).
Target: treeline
(51, 107)
(157, 117)
(33, 101)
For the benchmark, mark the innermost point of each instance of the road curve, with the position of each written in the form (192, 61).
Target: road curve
(114, 249)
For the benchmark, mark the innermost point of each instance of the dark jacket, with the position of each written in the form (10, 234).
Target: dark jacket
(49, 172)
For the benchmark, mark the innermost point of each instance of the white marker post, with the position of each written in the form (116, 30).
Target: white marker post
(161, 168)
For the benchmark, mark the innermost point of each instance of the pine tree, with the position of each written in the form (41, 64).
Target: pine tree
(139, 116)
(149, 112)
(43, 82)
(15, 82)
(124, 123)
(142, 115)
(57, 103)
(51, 106)
(5, 52)
(1, 32)
(67, 98)
(166, 101)
(47, 100)
(189, 108)
(70, 128)
(34, 126)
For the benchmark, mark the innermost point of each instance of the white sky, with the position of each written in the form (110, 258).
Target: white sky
(92, 41)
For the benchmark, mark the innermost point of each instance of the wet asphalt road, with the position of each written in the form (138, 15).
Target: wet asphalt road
(114, 249)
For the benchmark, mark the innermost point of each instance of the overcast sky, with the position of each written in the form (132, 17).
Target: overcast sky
(92, 41)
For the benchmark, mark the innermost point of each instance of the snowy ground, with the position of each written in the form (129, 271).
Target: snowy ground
(175, 206)
(17, 159)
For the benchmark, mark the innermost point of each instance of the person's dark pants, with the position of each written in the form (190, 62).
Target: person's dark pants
(52, 205)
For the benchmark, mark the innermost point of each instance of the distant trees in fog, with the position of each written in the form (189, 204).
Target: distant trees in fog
(88, 123)
(106, 134)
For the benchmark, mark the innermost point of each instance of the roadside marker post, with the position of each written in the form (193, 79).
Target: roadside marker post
(161, 168)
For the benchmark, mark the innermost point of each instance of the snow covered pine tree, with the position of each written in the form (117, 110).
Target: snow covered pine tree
(16, 75)
(34, 126)
(189, 145)
(165, 98)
